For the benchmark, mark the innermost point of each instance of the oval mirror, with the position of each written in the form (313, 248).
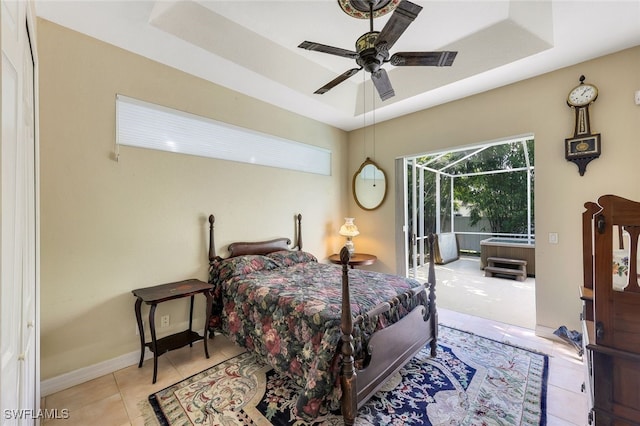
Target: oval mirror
(369, 185)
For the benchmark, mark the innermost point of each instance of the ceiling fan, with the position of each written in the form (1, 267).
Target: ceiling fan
(372, 49)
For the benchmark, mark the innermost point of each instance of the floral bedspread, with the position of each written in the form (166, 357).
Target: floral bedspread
(286, 307)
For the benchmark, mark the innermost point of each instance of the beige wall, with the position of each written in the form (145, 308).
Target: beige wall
(533, 106)
(109, 227)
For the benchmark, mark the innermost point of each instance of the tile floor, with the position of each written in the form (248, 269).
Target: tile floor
(112, 400)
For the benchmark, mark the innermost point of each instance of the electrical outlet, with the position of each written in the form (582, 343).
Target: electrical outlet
(164, 321)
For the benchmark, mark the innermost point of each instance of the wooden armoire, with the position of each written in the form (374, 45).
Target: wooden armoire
(611, 310)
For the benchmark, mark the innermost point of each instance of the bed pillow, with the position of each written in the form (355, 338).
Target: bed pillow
(242, 265)
(292, 257)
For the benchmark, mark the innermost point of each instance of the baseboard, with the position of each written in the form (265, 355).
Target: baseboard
(81, 375)
(84, 374)
(546, 332)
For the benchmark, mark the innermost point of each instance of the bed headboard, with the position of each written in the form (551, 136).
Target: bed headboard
(258, 247)
(255, 247)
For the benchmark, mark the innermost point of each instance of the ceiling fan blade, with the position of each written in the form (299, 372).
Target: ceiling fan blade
(428, 59)
(404, 14)
(339, 79)
(383, 84)
(318, 47)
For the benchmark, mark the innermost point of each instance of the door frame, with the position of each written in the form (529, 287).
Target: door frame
(19, 195)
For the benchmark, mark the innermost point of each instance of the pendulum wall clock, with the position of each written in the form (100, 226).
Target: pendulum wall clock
(584, 146)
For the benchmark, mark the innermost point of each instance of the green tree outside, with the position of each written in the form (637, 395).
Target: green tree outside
(500, 197)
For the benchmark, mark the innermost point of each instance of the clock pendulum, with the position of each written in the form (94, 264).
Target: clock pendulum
(584, 146)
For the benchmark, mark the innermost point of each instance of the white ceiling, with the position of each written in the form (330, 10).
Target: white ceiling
(251, 46)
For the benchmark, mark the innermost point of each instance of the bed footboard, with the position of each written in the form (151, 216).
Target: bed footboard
(398, 343)
(391, 348)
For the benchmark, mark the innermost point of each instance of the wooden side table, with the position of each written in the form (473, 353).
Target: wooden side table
(357, 259)
(161, 293)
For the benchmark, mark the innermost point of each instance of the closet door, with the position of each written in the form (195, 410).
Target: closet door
(19, 374)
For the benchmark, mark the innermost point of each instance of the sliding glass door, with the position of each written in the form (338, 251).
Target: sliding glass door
(415, 226)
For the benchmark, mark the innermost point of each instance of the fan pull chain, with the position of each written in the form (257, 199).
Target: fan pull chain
(373, 97)
(364, 116)
(373, 100)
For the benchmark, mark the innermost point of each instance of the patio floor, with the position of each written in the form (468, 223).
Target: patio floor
(462, 287)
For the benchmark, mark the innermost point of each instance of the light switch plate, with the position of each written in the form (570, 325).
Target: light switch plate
(553, 238)
(637, 97)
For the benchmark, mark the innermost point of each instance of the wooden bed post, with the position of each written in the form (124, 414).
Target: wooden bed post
(212, 244)
(299, 233)
(431, 280)
(349, 402)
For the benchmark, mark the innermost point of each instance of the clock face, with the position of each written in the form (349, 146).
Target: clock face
(582, 95)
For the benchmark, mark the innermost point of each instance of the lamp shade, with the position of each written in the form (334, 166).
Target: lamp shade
(349, 229)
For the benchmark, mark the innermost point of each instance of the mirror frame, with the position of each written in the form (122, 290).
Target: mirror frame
(367, 162)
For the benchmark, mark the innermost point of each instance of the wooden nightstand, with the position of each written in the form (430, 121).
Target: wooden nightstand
(161, 293)
(357, 259)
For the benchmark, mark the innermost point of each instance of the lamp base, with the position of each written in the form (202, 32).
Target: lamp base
(350, 247)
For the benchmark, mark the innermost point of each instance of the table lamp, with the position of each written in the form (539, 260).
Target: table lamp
(349, 230)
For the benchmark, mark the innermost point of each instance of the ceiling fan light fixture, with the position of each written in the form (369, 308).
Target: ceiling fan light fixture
(370, 57)
(367, 41)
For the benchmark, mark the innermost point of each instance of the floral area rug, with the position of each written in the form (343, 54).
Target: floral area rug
(472, 381)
